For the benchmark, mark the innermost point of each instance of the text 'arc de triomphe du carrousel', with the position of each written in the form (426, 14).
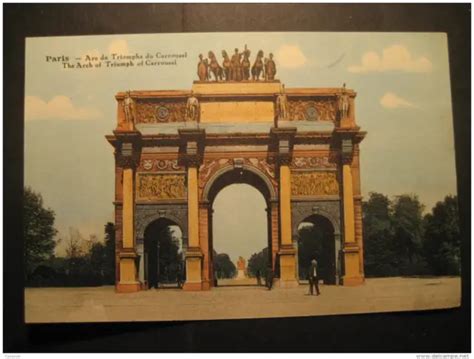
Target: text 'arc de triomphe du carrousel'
(176, 149)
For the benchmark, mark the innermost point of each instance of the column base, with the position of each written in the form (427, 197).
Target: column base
(206, 285)
(129, 287)
(193, 269)
(352, 281)
(287, 265)
(193, 286)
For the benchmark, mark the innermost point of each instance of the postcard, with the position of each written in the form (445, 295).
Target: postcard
(203, 176)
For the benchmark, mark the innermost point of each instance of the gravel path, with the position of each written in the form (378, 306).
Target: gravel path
(97, 304)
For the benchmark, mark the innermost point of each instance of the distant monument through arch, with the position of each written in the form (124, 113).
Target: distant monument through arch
(175, 149)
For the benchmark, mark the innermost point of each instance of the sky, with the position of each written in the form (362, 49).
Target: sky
(403, 102)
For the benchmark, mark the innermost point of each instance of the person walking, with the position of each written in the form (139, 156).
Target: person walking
(269, 278)
(313, 277)
(259, 278)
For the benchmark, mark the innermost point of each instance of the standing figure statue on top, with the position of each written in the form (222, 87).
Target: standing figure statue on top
(128, 108)
(246, 64)
(270, 69)
(344, 103)
(226, 65)
(236, 66)
(192, 108)
(282, 105)
(202, 69)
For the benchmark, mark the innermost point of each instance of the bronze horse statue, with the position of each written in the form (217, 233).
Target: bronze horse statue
(257, 67)
(226, 65)
(214, 66)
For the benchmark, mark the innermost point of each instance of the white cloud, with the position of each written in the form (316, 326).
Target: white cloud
(290, 56)
(119, 47)
(393, 58)
(58, 108)
(390, 100)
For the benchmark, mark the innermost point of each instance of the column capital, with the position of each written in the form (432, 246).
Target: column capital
(128, 148)
(282, 143)
(192, 146)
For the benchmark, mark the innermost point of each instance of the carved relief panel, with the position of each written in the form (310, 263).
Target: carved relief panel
(148, 111)
(314, 183)
(154, 186)
(312, 110)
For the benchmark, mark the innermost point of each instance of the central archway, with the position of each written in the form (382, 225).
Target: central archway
(253, 177)
(239, 230)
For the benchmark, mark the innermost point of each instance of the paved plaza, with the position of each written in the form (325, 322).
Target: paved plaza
(98, 304)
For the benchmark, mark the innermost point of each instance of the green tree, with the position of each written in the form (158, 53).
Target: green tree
(169, 256)
(379, 253)
(102, 256)
(442, 244)
(223, 266)
(408, 229)
(109, 254)
(39, 231)
(258, 262)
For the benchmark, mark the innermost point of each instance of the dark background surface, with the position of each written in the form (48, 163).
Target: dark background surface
(427, 331)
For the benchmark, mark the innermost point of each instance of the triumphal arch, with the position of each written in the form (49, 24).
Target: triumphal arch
(176, 149)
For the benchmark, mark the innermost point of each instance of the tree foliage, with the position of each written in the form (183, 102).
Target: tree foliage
(398, 240)
(223, 266)
(102, 256)
(39, 231)
(258, 262)
(442, 245)
(170, 260)
(379, 245)
(408, 230)
(87, 263)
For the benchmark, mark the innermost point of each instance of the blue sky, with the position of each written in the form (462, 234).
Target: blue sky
(403, 102)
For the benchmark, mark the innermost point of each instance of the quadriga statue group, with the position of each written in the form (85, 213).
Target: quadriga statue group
(237, 67)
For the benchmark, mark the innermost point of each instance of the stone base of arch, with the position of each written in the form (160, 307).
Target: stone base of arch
(128, 287)
(194, 280)
(128, 282)
(352, 276)
(287, 257)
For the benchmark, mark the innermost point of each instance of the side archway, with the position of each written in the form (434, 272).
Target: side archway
(161, 254)
(316, 239)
